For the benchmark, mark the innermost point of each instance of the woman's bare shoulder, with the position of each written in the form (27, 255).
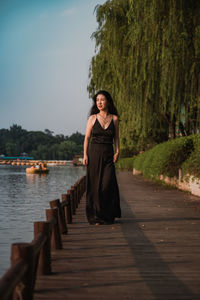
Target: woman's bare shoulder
(91, 119)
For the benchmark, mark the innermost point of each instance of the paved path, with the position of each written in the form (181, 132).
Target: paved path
(152, 252)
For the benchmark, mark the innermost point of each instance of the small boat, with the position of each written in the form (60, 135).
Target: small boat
(41, 169)
(78, 160)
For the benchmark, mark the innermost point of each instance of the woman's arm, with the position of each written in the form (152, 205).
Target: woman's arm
(89, 126)
(116, 138)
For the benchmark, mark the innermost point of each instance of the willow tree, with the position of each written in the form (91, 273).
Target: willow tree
(147, 56)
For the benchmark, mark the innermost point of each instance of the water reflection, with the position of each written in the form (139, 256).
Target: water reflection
(23, 200)
(32, 178)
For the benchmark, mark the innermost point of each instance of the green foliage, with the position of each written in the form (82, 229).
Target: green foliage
(77, 138)
(192, 164)
(125, 164)
(40, 145)
(147, 56)
(139, 160)
(11, 148)
(127, 152)
(165, 158)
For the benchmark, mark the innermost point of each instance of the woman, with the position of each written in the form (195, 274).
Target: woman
(102, 194)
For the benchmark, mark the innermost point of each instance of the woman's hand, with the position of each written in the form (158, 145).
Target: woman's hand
(85, 160)
(115, 157)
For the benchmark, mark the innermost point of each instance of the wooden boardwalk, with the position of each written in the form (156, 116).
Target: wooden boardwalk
(152, 252)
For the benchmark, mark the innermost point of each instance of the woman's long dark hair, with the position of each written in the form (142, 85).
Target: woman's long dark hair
(111, 107)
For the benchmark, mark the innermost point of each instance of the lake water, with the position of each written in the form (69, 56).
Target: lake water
(23, 200)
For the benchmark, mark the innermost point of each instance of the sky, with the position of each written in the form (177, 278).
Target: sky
(45, 54)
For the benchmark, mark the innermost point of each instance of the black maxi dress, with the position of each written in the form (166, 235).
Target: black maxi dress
(102, 193)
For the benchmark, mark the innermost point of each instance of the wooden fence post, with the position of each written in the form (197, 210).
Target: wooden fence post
(44, 261)
(67, 208)
(81, 188)
(61, 218)
(78, 191)
(56, 242)
(24, 251)
(72, 201)
(75, 194)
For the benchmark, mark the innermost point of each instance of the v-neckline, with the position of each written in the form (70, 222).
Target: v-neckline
(101, 126)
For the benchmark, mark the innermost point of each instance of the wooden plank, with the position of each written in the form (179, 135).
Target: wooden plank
(152, 252)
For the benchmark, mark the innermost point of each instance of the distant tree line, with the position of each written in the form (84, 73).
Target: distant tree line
(41, 145)
(148, 57)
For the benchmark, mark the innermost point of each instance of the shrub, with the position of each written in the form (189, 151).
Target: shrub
(138, 161)
(192, 164)
(125, 164)
(165, 158)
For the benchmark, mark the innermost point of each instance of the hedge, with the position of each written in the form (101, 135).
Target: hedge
(125, 164)
(192, 163)
(165, 158)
